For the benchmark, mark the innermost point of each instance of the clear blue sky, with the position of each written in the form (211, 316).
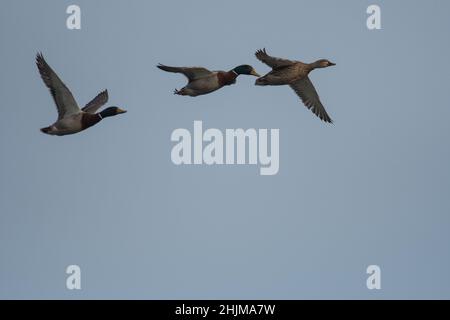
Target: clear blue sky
(370, 189)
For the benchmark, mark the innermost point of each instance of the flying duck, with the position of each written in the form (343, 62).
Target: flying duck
(71, 119)
(295, 74)
(202, 81)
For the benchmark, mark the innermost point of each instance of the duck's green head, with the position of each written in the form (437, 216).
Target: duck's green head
(111, 111)
(246, 69)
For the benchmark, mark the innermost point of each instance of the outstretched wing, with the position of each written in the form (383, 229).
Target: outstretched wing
(306, 91)
(272, 62)
(64, 100)
(192, 73)
(97, 102)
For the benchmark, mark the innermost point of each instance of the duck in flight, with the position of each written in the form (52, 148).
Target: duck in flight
(202, 81)
(295, 74)
(71, 119)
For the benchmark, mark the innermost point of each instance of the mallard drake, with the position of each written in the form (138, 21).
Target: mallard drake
(203, 81)
(71, 119)
(295, 74)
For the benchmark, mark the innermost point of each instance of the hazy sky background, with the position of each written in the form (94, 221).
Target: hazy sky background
(371, 189)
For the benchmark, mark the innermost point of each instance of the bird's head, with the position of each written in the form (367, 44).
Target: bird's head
(324, 63)
(111, 111)
(246, 69)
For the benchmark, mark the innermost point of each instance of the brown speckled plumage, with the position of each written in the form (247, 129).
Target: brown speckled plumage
(295, 74)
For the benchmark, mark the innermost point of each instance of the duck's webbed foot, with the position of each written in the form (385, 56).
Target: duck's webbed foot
(46, 130)
(181, 92)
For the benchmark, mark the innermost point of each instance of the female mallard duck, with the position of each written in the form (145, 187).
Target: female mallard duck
(203, 81)
(72, 119)
(295, 74)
